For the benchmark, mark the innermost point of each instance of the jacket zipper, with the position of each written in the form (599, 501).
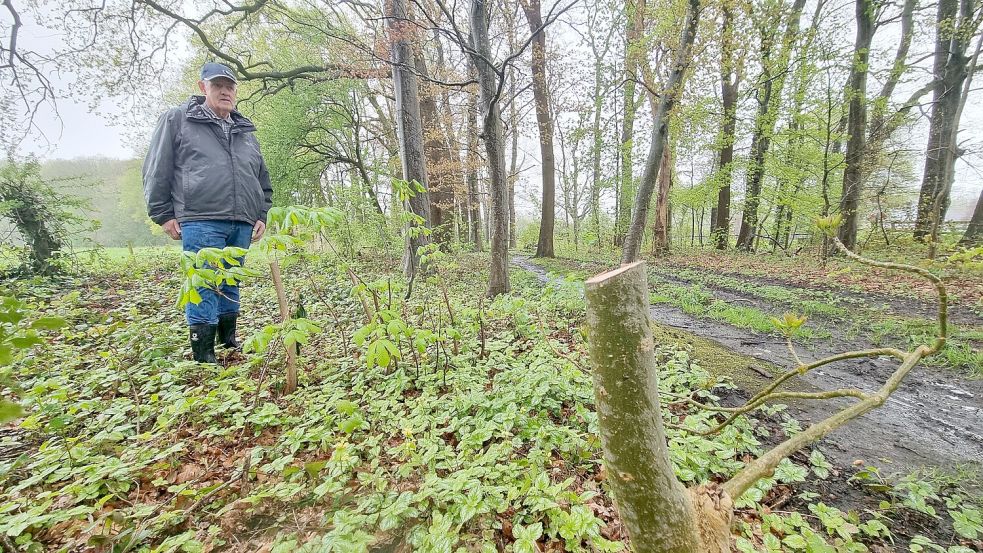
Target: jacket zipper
(235, 184)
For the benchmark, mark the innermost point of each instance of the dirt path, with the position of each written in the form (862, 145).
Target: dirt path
(934, 418)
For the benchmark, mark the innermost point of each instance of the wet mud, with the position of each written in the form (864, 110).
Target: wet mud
(935, 417)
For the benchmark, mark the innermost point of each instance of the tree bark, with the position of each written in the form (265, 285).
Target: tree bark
(660, 131)
(660, 230)
(856, 124)
(974, 232)
(595, 189)
(474, 198)
(290, 384)
(656, 509)
(626, 184)
(409, 130)
(440, 165)
(514, 163)
(764, 126)
(949, 70)
(730, 79)
(498, 278)
(544, 122)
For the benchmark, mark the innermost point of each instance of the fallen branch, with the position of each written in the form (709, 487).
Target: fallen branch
(765, 465)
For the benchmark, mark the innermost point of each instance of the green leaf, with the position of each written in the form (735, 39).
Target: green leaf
(314, 468)
(49, 323)
(24, 342)
(968, 523)
(10, 411)
(795, 541)
(346, 407)
(352, 424)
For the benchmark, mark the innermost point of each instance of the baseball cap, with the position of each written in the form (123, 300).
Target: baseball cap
(213, 70)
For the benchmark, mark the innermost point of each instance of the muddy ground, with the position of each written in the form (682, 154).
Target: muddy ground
(934, 419)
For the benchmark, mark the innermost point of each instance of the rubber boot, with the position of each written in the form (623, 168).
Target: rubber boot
(227, 331)
(203, 343)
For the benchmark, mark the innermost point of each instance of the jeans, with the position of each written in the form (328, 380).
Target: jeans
(196, 235)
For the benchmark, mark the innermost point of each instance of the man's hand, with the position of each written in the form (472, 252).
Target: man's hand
(173, 229)
(258, 229)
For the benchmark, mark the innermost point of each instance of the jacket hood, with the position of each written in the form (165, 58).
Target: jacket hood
(194, 110)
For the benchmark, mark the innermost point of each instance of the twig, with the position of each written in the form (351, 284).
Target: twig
(194, 506)
(766, 464)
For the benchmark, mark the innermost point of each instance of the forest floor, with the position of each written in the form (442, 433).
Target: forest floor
(472, 435)
(724, 307)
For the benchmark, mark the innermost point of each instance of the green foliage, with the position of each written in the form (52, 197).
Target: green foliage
(122, 435)
(829, 225)
(968, 258)
(210, 268)
(789, 324)
(43, 220)
(19, 333)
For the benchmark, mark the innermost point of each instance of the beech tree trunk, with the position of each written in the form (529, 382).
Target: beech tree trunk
(544, 122)
(626, 184)
(764, 125)
(660, 230)
(856, 124)
(950, 70)
(514, 163)
(729, 84)
(595, 189)
(659, 513)
(474, 198)
(440, 164)
(974, 232)
(498, 278)
(660, 131)
(409, 129)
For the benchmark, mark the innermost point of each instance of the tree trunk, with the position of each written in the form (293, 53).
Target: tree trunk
(626, 185)
(28, 214)
(474, 198)
(290, 384)
(949, 70)
(440, 165)
(409, 131)
(764, 125)
(514, 164)
(660, 230)
(974, 232)
(498, 278)
(657, 510)
(729, 84)
(595, 189)
(457, 183)
(856, 124)
(544, 121)
(660, 130)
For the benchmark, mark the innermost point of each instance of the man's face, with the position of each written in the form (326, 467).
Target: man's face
(220, 94)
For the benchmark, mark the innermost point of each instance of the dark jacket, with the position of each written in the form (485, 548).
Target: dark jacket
(193, 172)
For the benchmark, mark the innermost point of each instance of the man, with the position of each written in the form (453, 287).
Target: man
(207, 185)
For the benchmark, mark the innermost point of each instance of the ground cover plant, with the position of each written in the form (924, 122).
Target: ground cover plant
(408, 381)
(392, 440)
